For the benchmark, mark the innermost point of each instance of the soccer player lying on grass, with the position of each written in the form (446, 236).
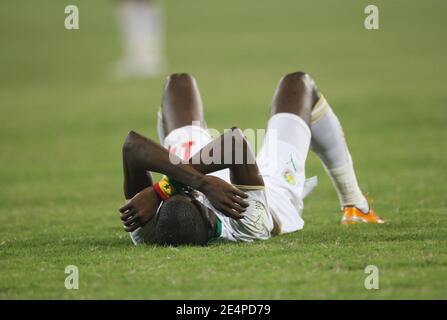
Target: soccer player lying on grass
(223, 191)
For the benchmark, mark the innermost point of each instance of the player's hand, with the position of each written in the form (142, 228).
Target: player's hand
(224, 197)
(140, 209)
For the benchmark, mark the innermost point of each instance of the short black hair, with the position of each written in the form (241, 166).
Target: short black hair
(180, 222)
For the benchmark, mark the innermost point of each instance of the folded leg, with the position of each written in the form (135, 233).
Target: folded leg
(181, 103)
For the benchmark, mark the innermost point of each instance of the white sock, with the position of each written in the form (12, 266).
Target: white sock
(329, 143)
(141, 28)
(348, 190)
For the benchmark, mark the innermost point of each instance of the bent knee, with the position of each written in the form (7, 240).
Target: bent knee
(129, 141)
(298, 78)
(180, 79)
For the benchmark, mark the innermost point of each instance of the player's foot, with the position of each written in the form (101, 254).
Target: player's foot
(352, 215)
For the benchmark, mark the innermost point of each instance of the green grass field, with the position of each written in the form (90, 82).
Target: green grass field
(63, 120)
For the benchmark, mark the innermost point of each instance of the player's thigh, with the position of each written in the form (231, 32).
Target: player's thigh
(284, 152)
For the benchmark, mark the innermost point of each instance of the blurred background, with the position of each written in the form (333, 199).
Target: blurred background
(65, 109)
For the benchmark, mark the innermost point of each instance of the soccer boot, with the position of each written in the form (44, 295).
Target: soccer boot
(352, 215)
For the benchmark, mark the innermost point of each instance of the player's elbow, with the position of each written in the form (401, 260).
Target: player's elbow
(237, 132)
(129, 142)
(241, 149)
(237, 136)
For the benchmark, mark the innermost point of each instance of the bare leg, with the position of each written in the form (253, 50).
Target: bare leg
(297, 94)
(182, 103)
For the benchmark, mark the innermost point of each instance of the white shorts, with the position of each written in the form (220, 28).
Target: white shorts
(281, 162)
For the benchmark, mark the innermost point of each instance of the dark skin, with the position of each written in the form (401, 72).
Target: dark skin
(296, 93)
(181, 105)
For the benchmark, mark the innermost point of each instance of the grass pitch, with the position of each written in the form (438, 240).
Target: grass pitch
(63, 120)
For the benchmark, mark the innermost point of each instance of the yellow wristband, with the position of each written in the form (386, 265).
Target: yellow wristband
(166, 187)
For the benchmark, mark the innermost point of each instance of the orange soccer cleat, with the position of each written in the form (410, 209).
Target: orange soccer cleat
(352, 215)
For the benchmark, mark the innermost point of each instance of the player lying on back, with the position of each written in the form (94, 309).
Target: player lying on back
(223, 191)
